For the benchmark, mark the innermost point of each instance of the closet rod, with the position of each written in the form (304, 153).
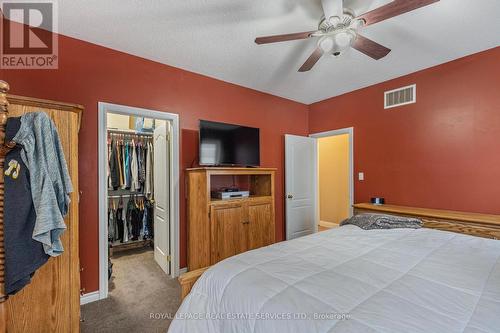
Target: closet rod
(116, 196)
(128, 132)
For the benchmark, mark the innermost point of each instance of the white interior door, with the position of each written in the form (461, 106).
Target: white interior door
(161, 174)
(300, 185)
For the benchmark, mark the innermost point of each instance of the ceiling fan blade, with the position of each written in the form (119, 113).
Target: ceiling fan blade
(395, 8)
(312, 60)
(284, 38)
(332, 7)
(370, 48)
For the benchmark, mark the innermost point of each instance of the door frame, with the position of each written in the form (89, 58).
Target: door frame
(103, 110)
(350, 132)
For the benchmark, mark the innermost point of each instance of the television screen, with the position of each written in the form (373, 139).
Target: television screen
(227, 144)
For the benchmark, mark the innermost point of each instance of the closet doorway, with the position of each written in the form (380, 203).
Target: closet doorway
(138, 194)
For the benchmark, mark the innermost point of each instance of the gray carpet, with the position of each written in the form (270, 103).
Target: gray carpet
(138, 290)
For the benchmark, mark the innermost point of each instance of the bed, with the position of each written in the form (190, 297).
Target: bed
(352, 280)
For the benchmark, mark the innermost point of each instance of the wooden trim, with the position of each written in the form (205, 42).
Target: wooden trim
(4, 104)
(327, 224)
(187, 280)
(47, 104)
(475, 224)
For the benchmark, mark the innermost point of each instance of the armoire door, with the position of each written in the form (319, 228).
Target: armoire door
(51, 302)
(260, 226)
(229, 236)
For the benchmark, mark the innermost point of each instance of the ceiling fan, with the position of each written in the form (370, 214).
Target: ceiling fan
(338, 30)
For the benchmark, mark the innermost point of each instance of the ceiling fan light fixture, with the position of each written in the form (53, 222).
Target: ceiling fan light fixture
(334, 21)
(326, 43)
(344, 39)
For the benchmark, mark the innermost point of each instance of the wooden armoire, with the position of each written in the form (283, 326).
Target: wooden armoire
(51, 302)
(218, 229)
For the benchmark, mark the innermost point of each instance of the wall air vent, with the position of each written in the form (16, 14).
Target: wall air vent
(401, 96)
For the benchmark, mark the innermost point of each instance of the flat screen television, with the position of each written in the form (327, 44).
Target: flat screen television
(228, 145)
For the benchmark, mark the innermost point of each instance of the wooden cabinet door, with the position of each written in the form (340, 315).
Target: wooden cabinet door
(229, 235)
(260, 224)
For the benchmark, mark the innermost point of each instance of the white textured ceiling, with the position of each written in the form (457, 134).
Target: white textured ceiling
(216, 38)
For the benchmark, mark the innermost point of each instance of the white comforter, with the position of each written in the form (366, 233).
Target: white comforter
(351, 280)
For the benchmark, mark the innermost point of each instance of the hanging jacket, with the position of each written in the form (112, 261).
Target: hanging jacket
(134, 168)
(142, 176)
(124, 169)
(120, 224)
(49, 178)
(150, 218)
(114, 166)
(111, 225)
(119, 161)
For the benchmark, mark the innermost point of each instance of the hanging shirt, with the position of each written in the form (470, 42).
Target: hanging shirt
(49, 178)
(142, 176)
(23, 254)
(140, 165)
(126, 229)
(120, 224)
(134, 167)
(111, 225)
(119, 164)
(114, 166)
(124, 170)
(149, 206)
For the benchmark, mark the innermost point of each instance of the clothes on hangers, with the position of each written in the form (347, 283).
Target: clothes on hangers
(130, 164)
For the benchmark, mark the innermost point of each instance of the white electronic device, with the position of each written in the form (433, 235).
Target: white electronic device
(230, 195)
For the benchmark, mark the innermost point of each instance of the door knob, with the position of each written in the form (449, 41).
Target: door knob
(289, 196)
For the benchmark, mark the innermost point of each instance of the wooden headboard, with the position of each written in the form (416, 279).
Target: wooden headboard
(475, 224)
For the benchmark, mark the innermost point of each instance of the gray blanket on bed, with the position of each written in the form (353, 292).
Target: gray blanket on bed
(381, 221)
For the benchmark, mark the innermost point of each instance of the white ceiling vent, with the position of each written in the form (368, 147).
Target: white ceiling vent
(400, 96)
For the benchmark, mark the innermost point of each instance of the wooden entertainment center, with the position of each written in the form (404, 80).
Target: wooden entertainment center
(218, 229)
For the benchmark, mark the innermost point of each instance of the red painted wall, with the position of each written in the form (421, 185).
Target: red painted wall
(89, 74)
(442, 152)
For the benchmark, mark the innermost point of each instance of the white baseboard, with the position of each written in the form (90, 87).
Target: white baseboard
(183, 271)
(328, 224)
(89, 298)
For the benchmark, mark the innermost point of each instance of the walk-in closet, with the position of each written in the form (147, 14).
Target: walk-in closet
(138, 200)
